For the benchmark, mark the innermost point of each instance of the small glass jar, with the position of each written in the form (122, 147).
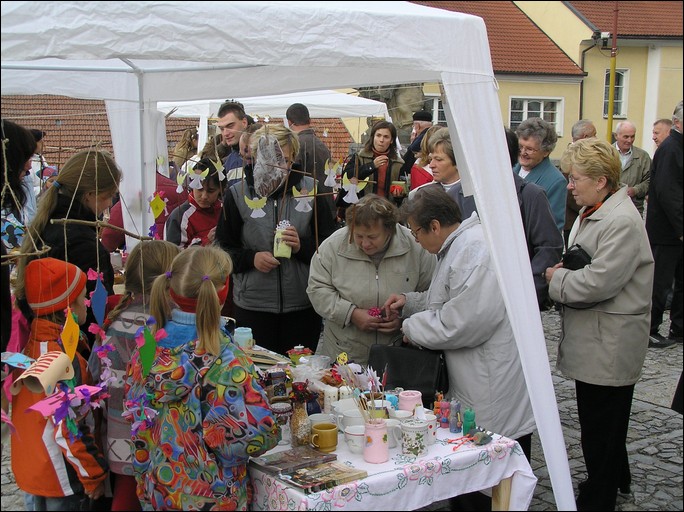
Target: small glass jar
(282, 412)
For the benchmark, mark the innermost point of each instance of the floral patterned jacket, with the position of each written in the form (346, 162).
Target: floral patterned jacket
(197, 419)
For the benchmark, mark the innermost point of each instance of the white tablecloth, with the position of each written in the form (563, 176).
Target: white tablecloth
(406, 482)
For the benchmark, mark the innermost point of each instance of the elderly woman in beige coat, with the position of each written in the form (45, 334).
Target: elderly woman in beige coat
(356, 269)
(605, 314)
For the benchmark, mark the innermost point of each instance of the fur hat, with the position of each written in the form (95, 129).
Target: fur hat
(422, 115)
(52, 284)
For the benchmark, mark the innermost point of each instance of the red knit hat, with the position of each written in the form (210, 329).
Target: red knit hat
(52, 284)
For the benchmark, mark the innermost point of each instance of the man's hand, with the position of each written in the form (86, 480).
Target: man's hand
(291, 238)
(264, 261)
(393, 306)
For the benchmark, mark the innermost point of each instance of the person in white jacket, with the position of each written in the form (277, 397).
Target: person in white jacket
(463, 314)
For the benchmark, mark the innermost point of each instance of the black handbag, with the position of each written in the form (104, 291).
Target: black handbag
(576, 258)
(411, 367)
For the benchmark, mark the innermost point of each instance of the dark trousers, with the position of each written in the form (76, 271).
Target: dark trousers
(280, 332)
(604, 419)
(668, 268)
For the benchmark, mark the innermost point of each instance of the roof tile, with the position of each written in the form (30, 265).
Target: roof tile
(635, 19)
(513, 38)
(73, 124)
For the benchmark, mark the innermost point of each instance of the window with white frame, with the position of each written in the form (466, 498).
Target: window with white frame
(549, 109)
(438, 115)
(619, 94)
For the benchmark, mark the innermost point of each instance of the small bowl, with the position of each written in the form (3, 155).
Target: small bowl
(316, 361)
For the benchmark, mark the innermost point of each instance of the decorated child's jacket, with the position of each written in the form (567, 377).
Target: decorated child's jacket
(48, 460)
(196, 420)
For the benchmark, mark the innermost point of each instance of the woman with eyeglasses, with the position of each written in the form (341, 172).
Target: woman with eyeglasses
(463, 313)
(354, 272)
(605, 312)
(537, 138)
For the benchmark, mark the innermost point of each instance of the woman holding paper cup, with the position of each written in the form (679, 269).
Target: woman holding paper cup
(266, 215)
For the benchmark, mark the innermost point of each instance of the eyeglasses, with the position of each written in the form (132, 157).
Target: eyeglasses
(531, 151)
(415, 233)
(573, 181)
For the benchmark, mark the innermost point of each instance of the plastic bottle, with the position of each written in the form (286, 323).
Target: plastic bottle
(468, 421)
(455, 422)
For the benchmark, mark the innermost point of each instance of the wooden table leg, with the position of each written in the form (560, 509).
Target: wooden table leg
(501, 495)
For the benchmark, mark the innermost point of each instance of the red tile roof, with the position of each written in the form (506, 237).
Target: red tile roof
(517, 45)
(635, 19)
(73, 124)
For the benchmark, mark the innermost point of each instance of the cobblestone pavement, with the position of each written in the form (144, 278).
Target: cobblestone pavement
(654, 438)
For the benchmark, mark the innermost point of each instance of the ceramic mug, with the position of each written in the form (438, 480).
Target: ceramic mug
(321, 417)
(410, 399)
(433, 425)
(355, 436)
(324, 437)
(342, 405)
(393, 432)
(376, 448)
(414, 434)
(350, 417)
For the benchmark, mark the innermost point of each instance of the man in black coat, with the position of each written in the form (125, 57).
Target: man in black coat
(422, 120)
(664, 228)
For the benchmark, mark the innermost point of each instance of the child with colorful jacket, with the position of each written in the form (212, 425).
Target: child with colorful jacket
(59, 469)
(147, 260)
(197, 410)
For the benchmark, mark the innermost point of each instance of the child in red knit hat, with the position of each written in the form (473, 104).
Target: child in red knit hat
(60, 471)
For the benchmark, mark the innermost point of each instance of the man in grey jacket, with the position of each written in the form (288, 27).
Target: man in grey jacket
(636, 164)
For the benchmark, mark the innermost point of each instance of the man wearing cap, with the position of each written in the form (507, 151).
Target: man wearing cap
(422, 120)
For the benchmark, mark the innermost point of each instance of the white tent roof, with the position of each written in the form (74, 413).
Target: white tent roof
(134, 54)
(320, 104)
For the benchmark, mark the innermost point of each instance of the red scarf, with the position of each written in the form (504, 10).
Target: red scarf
(382, 174)
(598, 205)
(189, 305)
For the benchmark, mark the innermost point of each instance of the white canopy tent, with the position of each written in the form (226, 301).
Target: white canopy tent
(135, 54)
(321, 104)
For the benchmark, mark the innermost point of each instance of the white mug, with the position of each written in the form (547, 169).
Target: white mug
(321, 417)
(350, 417)
(355, 437)
(433, 425)
(393, 432)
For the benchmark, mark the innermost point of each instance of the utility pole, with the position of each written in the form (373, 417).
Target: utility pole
(611, 86)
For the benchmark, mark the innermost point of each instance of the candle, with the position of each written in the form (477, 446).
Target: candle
(329, 396)
(345, 392)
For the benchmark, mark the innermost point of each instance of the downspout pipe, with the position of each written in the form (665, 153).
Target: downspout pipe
(595, 37)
